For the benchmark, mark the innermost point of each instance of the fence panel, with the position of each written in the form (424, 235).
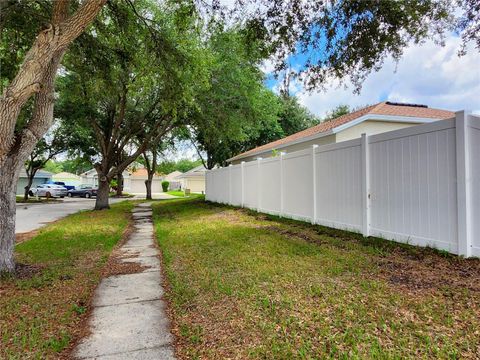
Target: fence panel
(474, 142)
(222, 186)
(235, 185)
(270, 192)
(298, 185)
(419, 185)
(251, 184)
(208, 185)
(338, 185)
(413, 185)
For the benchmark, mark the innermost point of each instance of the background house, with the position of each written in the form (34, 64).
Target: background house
(90, 177)
(371, 120)
(194, 179)
(134, 182)
(67, 178)
(41, 177)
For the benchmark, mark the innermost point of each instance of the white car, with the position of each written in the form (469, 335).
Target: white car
(49, 190)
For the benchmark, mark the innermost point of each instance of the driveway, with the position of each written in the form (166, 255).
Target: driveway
(33, 216)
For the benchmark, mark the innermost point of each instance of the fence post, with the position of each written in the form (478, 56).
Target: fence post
(463, 185)
(259, 177)
(314, 184)
(230, 184)
(242, 176)
(365, 168)
(282, 154)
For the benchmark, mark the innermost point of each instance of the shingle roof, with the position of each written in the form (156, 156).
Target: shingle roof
(39, 174)
(383, 108)
(141, 173)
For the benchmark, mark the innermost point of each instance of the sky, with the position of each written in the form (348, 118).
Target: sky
(427, 74)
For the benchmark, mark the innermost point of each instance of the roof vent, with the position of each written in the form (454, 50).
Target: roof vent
(405, 104)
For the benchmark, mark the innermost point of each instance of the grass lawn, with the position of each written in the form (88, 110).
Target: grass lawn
(180, 193)
(247, 285)
(176, 193)
(41, 309)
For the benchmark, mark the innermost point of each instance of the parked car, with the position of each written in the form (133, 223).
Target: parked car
(48, 190)
(61, 183)
(83, 190)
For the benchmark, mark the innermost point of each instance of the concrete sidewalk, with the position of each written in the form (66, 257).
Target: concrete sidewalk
(129, 319)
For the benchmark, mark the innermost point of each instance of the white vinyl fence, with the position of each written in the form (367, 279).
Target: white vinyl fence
(418, 185)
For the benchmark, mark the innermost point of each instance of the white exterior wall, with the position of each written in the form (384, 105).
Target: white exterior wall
(418, 185)
(370, 127)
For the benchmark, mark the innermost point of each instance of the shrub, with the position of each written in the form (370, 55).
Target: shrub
(165, 186)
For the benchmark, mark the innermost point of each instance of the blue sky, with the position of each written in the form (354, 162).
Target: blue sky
(427, 74)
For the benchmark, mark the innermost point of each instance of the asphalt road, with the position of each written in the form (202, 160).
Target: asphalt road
(33, 216)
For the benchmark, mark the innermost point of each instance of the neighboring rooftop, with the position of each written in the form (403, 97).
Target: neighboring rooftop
(395, 111)
(39, 174)
(196, 171)
(141, 173)
(66, 175)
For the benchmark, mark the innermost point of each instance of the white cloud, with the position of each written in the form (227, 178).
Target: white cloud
(427, 74)
(267, 67)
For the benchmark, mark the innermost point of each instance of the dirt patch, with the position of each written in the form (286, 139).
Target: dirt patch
(230, 216)
(25, 236)
(116, 266)
(27, 271)
(430, 272)
(294, 233)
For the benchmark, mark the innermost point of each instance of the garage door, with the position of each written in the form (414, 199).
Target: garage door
(137, 186)
(196, 185)
(156, 186)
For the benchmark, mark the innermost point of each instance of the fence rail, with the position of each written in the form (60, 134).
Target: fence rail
(418, 185)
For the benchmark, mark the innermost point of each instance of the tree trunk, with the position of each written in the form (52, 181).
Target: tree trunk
(31, 175)
(103, 193)
(28, 187)
(119, 184)
(36, 75)
(8, 188)
(148, 185)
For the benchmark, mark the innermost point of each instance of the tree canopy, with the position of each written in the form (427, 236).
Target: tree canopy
(127, 84)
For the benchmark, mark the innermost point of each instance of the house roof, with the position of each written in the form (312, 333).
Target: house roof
(196, 171)
(93, 173)
(173, 175)
(141, 173)
(386, 111)
(89, 172)
(65, 175)
(43, 174)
